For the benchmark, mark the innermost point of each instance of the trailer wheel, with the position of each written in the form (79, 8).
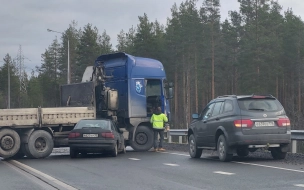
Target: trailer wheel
(25, 149)
(143, 140)
(19, 154)
(40, 144)
(9, 143)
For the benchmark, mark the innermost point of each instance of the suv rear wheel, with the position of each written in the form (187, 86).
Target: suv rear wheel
(242, 152)
(222, 148)
(193, 150)
(277, 154)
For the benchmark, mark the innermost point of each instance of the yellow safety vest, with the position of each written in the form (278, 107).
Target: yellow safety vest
(158, 120)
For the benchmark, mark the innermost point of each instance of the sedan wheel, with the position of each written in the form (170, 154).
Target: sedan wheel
(115, 151)
(193, 150)
(73, 153)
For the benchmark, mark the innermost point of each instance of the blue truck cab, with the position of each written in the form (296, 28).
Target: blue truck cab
(140, 85)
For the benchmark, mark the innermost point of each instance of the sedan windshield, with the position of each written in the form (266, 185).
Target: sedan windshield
(104, 124)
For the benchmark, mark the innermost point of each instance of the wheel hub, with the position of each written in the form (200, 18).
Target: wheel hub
(192, 145)
(141, 138)
(40, 144)
(221, 148)
(7, 142)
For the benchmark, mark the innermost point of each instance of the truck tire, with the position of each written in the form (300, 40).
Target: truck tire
(9, 143)
(193, 150)
(143, 140)
(25, 149)
(40, 144)
(222, 148)
(19, 154)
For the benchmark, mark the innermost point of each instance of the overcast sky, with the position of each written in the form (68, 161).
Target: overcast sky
(25, 22)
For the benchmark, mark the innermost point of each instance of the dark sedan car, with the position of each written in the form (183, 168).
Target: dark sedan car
(96, 136)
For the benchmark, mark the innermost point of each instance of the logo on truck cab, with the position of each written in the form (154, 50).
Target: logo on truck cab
(138, 87)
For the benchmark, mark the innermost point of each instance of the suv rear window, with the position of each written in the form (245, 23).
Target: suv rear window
(259, 104)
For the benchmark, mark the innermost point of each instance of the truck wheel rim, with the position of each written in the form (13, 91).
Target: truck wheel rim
(141, 138)
(7, 142)
(40, 144)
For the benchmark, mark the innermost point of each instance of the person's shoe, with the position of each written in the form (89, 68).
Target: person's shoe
(155, 150)
(161, 149)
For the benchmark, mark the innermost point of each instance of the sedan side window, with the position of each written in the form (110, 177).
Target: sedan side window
(207, 112)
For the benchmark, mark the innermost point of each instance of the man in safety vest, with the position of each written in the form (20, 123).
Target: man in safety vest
(158, 119)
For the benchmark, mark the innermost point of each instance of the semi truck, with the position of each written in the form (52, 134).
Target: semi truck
(118, 86)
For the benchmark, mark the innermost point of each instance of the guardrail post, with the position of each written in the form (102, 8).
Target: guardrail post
(169, 137)
(293, 146)
(180, 139)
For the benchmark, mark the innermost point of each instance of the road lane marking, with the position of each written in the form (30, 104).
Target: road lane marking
(245, 163)
(299, 185)
(40, 174)
(168, 164)
(31, 177)
(134, 159)
(223, 173)
(175, 153)
(265, 166)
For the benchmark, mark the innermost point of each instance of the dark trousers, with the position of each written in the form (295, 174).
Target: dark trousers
(161, 134)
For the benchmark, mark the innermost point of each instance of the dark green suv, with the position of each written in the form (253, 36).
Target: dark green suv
(240, 124)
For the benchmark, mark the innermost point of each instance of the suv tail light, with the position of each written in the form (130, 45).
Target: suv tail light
(247, 123)
(109, 135)
(73, 135)
(282, 122)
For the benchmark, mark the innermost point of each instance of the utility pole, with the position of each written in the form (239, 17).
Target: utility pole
(68, 69)
(8, 86)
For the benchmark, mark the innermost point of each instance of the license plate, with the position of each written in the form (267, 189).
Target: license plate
(264, 124)
(90, 135)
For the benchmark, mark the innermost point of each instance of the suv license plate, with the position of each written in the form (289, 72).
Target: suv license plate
(90, 135)
(264, 124)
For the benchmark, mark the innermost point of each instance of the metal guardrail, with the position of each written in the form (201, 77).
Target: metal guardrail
(296, 135)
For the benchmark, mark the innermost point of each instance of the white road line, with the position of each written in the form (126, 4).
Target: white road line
(299, 185)
(39, 173)
(176, 154)
(223, 173)
(31, 177)
(265, 166)
(245, 163)
(168, 164)
(134, 159)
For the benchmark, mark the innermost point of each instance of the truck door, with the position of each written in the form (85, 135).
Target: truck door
(138, 98)
(154, 95)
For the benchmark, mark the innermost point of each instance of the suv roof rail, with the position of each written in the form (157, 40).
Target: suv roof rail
(233, 96)
(270, 95)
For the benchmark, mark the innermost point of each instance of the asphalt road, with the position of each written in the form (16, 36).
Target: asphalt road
(152, 170)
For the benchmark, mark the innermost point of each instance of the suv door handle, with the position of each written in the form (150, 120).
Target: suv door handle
(217, 119)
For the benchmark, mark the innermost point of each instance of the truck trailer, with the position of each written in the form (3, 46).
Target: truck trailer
(118, 86)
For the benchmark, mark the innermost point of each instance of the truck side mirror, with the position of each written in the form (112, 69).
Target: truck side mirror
(170, 93)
